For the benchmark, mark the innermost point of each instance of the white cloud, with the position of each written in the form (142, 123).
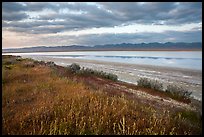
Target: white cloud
(134, 28)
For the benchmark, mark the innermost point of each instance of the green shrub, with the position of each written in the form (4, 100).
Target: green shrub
(42, 63)
(50, 63)
(74, 67)
(144, 82)
(88, 71)
(191, 115)
(36, 62)
(102, 74)
(112, 76)
(174, 91)
(153, 84)
(19, 59)
(178, 92)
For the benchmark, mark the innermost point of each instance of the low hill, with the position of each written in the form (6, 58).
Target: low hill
(43, 98)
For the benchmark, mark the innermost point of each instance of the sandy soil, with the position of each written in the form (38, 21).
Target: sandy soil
(188, 79)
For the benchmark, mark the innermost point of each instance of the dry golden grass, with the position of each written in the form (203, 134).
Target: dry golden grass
(37, 101)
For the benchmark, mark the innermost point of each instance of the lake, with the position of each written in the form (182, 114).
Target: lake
(177, 59)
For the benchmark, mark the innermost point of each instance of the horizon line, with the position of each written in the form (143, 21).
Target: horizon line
(94, 45)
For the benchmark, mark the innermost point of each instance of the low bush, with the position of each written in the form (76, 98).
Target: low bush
(39, 62)
(51, 64)
(75, 68)
(36, 62)
(99, 73)
(19, 59)
(144, 82)
(29, 65)
(191, 116)
(178, 92)
(153, 84)
(175, 92)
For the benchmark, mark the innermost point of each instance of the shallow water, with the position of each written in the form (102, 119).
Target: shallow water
(178, 59)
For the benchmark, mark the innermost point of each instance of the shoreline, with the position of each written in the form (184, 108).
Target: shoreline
(130, 73)
(120, 64)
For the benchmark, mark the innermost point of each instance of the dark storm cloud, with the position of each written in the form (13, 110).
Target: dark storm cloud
(13, 7)
(27, 6)
(35, 27)
(147, 12)
(91, 18)
(108, 15)
(13, 11)
(171, 13)
(14, 16)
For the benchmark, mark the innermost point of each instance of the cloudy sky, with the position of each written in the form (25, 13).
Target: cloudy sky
(26, 24)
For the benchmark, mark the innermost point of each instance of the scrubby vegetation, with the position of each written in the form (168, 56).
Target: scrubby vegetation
(154, 84)
(173, 91)
(178, 92)
(75, 68)
(36, 101)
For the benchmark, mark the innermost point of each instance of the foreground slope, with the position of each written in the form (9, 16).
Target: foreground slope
(42, 98)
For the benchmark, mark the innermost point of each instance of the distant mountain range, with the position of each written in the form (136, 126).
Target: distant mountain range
(111, 47)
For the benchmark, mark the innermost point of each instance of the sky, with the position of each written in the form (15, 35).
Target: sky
(29, 24)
